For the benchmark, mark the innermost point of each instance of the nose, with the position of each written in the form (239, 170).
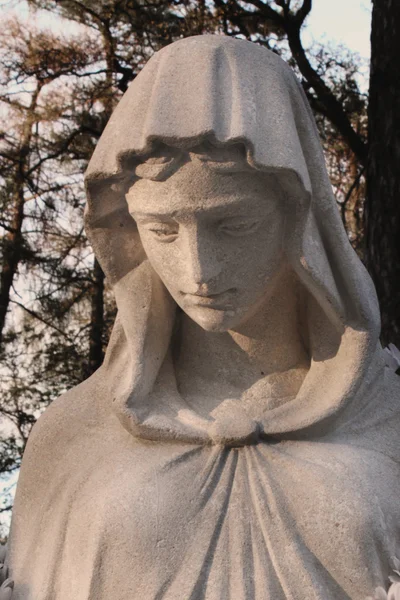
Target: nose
(200, 256)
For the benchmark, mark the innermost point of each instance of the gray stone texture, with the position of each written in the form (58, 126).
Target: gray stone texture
(241, 440)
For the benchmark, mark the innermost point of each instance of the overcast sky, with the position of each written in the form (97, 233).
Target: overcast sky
(344, 22)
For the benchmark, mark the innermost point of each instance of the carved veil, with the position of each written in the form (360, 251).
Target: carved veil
(241, 94)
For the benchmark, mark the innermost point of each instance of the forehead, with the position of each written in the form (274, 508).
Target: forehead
(197, 187)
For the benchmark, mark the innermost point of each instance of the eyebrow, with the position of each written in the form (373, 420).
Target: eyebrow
(216, 210)
(158, 215)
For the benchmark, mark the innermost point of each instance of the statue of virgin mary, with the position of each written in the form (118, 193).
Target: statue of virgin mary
(241, 440)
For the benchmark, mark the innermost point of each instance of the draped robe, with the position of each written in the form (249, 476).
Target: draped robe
(125, 491)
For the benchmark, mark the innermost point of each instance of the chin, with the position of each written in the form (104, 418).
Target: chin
(213, 320)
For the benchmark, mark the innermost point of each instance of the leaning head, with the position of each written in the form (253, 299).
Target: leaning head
(210, 215)
(212, 228)
(217, 234)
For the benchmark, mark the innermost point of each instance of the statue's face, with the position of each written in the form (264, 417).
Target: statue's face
(215, 239)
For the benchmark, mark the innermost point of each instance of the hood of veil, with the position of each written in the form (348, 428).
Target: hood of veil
(228, 91)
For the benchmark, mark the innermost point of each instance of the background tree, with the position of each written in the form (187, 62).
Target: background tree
(48, 288)
(383, 176)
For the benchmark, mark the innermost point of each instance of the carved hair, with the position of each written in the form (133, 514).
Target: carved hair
(164, 161)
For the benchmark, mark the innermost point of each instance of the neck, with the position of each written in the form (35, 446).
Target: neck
(267, 343)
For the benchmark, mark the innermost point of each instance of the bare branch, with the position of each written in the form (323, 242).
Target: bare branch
(40, 318)
(332, 107)
(303, 12)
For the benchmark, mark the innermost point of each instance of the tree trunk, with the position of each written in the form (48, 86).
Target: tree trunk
(12, 245)
(383, 168)
(96, 320)
(13, 241)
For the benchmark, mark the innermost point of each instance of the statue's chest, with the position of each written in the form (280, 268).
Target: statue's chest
(207, 514)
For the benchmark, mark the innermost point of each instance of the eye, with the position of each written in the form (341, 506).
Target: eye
(239, 226)
(164, 232)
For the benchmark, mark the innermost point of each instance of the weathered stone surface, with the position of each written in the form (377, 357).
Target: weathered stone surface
(241, 439)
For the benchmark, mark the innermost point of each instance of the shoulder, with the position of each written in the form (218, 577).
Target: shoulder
(380, 421)
(66, 419)
(62, 443)
(391, 394)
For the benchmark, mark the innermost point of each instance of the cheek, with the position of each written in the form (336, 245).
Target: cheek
(257, 259)
(164, 258)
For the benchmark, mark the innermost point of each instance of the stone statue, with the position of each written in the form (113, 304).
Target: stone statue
(241, 440)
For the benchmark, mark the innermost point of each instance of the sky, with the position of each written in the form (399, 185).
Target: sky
(342, 23)
(346, 22)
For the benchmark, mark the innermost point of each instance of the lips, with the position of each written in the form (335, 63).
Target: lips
(220, 300)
